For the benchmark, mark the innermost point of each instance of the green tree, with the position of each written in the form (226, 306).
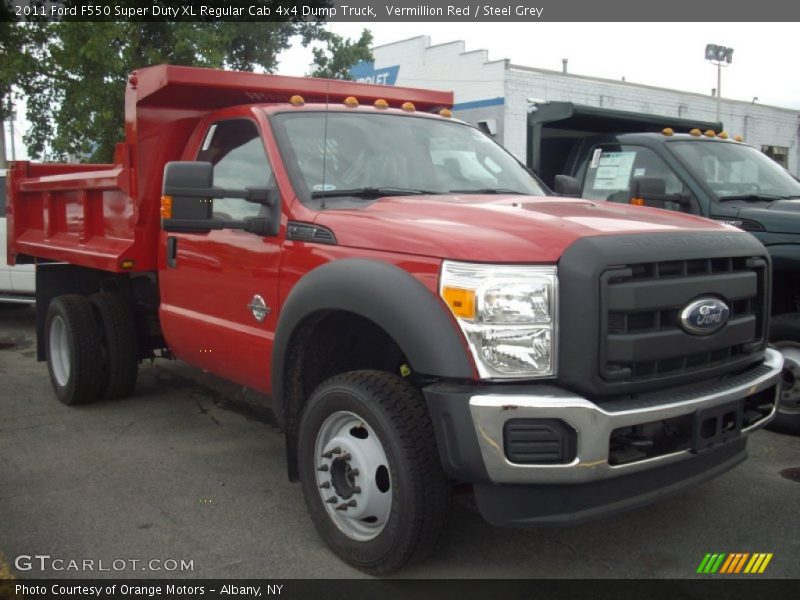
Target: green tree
(334, 61)
(18, 66)
(75, 94)
(76, 105)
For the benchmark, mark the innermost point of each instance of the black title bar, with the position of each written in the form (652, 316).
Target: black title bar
(744, 587)
(403, 10)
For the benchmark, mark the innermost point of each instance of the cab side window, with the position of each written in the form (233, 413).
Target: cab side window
(611, 169)
(237, 153)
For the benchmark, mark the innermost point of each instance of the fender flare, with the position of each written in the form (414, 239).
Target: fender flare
(388, 296)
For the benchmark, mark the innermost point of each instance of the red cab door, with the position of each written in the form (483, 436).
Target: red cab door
(219, 290)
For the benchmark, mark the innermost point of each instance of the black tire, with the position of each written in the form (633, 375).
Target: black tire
(785, 330)
(396, 412)
(79, 381)
(120, 353)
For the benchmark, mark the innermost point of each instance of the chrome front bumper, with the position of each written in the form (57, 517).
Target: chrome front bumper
(594, 424)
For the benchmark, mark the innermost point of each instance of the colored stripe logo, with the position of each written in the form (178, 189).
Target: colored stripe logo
(735, 563)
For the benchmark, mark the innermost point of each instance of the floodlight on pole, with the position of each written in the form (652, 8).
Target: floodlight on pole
(718, 55)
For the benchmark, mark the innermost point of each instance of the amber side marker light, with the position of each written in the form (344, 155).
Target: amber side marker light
(166, 207)
(297, 100)
(695, 132)
(668, 131)
(738, 138)
(723, 135)
(637, 201)
(460, 301)
(351, 102)
(408, 107)
(446, 113)
(381, 103)
(127, 264)
(710, 133)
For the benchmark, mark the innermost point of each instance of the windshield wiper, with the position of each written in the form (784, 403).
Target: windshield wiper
(373, 192)
(487, 191)
(753, 197)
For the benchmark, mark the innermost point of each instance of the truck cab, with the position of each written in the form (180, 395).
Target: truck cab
(685, 166)
(420, 309)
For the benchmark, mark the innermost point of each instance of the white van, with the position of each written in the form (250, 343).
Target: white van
(17, 284)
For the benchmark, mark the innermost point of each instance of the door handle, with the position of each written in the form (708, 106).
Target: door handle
(172, 252)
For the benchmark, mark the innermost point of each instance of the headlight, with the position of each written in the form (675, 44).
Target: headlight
(507, 314)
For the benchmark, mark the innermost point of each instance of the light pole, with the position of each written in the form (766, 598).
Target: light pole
(717, 55)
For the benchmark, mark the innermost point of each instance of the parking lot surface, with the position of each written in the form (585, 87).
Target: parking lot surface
(191, 468)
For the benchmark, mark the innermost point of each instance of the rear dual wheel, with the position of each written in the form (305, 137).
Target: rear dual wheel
(73, 340)
(120, 351)
(90, 347)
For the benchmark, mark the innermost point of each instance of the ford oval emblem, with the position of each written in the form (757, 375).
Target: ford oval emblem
(704, 316)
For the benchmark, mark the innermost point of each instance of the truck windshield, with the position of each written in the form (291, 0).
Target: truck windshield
(733, 171)
(361, 157)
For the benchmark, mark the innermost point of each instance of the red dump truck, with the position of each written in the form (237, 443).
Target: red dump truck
(419, 308)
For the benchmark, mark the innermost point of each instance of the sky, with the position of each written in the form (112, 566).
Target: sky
(671, 55)
(765, 58)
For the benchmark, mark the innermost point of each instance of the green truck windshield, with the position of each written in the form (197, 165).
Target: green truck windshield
(734, 170)
(363, 155)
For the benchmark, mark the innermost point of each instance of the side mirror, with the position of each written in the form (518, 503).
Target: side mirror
(567, 186)
(190, 192)
(189, 185)
(651, 191)
(644, 187)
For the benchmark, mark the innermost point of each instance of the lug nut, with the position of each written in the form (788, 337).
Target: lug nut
(346, 505)
(322, 468)
(346, 456)
(357, 490)
(331, 452)
(354, 472)
(331, 500)
(325, 485)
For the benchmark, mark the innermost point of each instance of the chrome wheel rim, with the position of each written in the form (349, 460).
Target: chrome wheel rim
(352, 476)
(59, 351)
(790, 388)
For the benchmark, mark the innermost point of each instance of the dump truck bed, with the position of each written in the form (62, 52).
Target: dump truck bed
(106, 216)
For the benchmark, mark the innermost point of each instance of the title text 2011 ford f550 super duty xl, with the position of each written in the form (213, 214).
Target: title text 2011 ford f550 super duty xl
(418, 307)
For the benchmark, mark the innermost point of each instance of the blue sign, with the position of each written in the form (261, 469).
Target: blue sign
(365, 72)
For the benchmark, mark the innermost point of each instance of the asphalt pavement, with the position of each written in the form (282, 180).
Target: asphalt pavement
(187, 478)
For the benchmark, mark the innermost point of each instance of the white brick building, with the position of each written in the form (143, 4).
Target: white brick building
(498, 92)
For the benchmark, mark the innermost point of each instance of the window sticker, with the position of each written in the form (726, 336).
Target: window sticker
(614, 170)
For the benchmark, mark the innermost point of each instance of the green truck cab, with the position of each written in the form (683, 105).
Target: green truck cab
(687, 166)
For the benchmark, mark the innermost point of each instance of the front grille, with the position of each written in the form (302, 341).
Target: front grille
(641, 337)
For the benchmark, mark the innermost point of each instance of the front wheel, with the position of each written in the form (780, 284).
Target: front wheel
(784, 335)
(370, 470)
